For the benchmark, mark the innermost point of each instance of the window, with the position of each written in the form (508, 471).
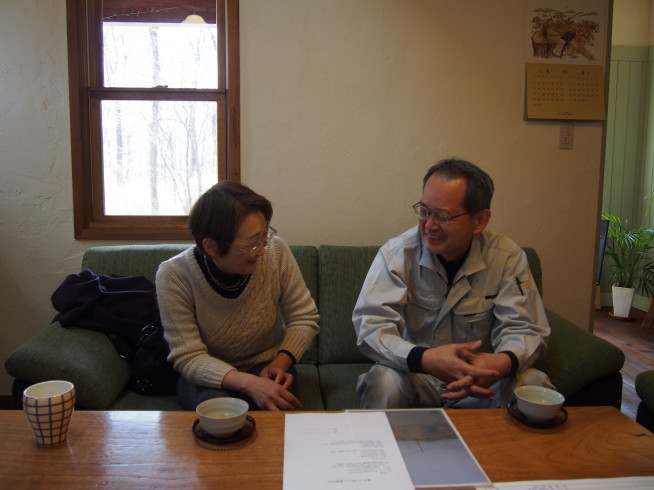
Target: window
(154, 112)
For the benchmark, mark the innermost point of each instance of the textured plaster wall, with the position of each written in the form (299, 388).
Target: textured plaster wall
(633, 23)
(344, 106)
(36, 231)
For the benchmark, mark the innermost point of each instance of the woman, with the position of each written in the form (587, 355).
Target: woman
(235, 310)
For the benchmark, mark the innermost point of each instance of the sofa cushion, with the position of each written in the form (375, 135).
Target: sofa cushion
(129, 260)
(341, 272)
(576, 357)
(338, 383)
(84, 357)
(307, 387)
(307, 259)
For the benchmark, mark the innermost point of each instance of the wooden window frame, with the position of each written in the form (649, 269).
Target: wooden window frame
(86, 93)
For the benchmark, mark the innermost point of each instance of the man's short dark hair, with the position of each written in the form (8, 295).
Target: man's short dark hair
(479, 188)
(219, 211)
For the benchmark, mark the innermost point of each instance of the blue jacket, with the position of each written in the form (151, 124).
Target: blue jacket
(119, 306)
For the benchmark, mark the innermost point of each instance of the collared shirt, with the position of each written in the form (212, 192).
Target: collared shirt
(406, 301)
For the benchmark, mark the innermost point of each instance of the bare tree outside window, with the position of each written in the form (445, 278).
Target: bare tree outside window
(155, 112)
(158, 156)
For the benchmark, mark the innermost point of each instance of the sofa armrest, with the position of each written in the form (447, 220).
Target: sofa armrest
(645, 388)
(576, 357)
(645, 391)
(84, 357)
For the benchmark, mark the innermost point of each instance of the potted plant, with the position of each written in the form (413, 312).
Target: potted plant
(633, 263)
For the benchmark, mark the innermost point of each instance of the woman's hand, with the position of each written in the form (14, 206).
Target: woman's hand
(270, 389)
(270, 395)
(278, 375)
(264, 391)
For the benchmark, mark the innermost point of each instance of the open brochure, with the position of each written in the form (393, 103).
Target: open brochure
(342, 451)
(392, 449)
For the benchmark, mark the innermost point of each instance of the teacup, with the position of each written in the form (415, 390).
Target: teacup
(537, 403)
(222, 417)
(49, 406)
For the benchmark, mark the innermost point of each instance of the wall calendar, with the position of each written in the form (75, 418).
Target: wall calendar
(564, 92)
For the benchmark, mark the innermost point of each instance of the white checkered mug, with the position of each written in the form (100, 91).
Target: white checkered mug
(49, 406)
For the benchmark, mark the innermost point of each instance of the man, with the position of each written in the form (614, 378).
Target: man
(449, 310)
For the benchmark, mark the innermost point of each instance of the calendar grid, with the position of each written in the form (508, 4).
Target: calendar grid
(564, 92)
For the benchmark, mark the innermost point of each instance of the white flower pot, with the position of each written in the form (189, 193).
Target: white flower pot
(622, 299)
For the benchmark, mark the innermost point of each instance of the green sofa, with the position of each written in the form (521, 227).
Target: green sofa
(645, 391)
(584, 367)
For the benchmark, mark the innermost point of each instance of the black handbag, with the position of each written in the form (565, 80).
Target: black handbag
(151, 371)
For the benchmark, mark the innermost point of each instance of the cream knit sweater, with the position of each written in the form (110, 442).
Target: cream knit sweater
(209, 335)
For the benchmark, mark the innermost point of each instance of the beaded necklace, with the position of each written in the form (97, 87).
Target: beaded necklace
(240, 282)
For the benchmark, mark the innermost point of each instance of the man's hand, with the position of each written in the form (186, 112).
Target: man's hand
(454, 361)
(457, 365)
(499, 362)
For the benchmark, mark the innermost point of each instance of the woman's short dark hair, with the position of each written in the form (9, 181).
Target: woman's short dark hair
(220, 210)
(479, 188)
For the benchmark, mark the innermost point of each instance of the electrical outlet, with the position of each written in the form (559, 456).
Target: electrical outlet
(566, 136)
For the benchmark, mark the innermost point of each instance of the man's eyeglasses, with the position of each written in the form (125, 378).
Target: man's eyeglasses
(441, 217)
(251, 250)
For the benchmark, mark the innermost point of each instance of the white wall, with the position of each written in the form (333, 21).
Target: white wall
(36, 230)
(344, 106)
(633, 23)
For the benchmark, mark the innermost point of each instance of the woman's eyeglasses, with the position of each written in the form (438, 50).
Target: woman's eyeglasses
(251, 250)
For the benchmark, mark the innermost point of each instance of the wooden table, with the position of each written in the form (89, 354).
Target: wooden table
(157, 449)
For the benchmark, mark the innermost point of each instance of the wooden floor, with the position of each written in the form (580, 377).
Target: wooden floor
(636, 342)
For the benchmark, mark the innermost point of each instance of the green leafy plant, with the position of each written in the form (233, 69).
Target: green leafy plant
(632, 254)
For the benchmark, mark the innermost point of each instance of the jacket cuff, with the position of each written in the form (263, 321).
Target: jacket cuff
(514, 362)
(414, 359)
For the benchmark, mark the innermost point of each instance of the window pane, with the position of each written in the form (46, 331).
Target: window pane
(158, 156)
(176, 55)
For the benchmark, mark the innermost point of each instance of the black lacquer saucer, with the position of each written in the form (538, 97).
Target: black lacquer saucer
(559, 419)
(234, 441)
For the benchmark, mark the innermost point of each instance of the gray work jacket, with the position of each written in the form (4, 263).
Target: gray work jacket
(406, 301)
